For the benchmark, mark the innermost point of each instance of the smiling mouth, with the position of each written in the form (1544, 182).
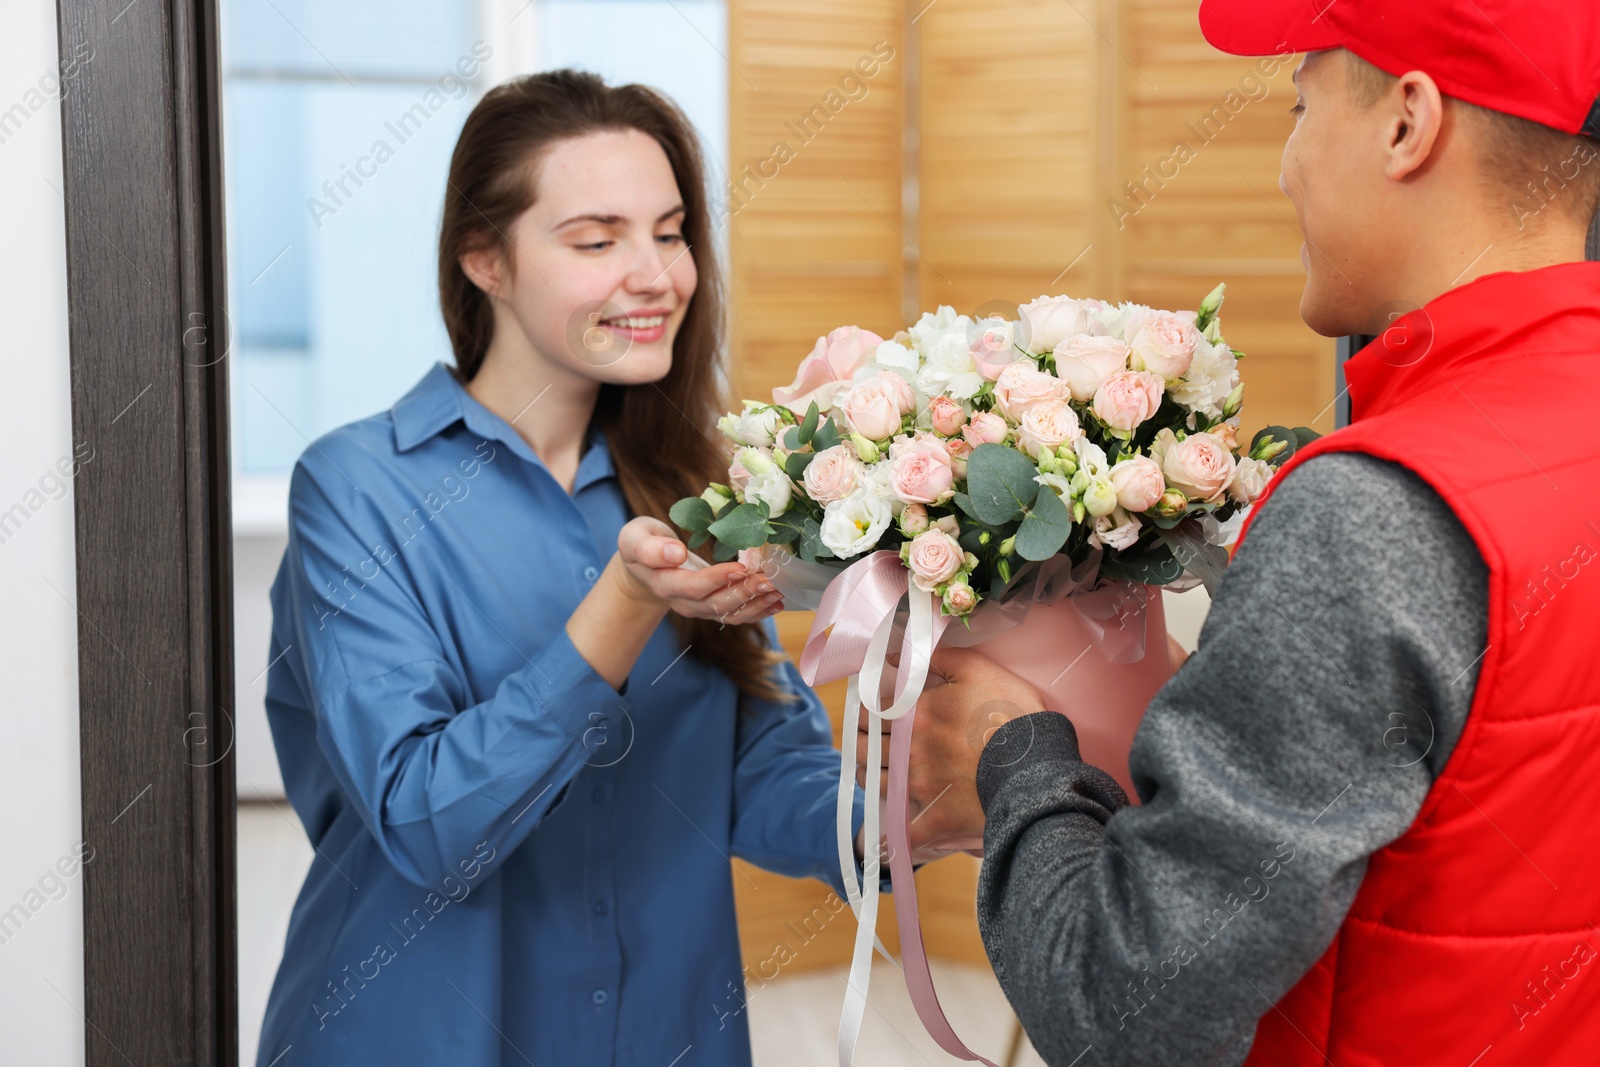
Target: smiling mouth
(641, 328)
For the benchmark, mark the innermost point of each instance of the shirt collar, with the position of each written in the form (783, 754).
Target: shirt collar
(439, 401)
(1552, 308)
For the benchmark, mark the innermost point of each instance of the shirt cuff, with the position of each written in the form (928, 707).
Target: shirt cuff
(1026, 741)
(572, 693)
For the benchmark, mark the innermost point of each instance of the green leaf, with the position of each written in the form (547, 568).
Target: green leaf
(692, 514)
(1277, 433)
(811, 546)
(808, 426)
(1000, 483)
(743, 527)
(723, 553)
(795, 466)
(1195, 554)
(1304, 435)
(791, 438)
(826, 437)
(784, 530)
(964, 502)
(1044, 528)
(699, 539)
(1154, 566)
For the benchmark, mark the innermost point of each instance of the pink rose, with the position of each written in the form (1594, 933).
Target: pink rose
(959, 598)
(959, 448)
(913, 520)
(1138, 483)
(830, 366)
(995, 347)
(738, 477)
(934, 558)
(1199, 466)
(948, 416)
(1163, 343)
(873, 408)
(1021, 385)
(1126, 399)
(1085, 362)
(1047, 424)
(921, 472)
(986, 428)
(834, 474)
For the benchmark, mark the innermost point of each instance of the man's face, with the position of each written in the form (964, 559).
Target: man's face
(1332, 172)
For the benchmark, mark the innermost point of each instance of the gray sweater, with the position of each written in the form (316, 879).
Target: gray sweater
(1333, 676)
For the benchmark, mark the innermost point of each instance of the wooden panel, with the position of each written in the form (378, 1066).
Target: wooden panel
(1007, 134)
(814, 218)
(1195, 200)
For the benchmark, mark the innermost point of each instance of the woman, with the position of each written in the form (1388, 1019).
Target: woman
(523, 784)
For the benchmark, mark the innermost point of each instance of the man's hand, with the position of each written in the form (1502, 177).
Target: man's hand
(655, 568)
(954, 722)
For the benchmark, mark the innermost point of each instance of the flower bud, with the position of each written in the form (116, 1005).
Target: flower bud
(1002, 567)
(983, 538)
(913, 520)
(1210, 305)
(1100, 498)
(959, 598)
(866, 450)
(1172, 504)
(1078, 511)
(1268, 448)
(718, 496)
(1230, 406)
(969, 563)
(1008, 546)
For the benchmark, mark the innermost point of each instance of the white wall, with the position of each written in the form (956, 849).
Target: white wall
(41, 911)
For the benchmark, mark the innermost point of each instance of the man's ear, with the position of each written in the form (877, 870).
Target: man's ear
(1416, 116)
(484, 267)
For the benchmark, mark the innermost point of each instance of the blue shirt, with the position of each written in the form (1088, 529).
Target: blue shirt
(514, 863)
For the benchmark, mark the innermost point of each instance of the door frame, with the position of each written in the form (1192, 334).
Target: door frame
(142, 185)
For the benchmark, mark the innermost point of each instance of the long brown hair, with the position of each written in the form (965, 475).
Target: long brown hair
(658, 432)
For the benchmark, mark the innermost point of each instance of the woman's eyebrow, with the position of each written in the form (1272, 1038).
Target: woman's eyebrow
(614, 220)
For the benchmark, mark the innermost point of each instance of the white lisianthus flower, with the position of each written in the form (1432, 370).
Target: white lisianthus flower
(853, 525)
(1100, 496)
(1060, 484)
(1250, 478)
(936, 324)
(950, 369)
(756, 425)
(716, 496)
(754, 461)
(1123, 321)
(1117, 530)
(773, 489)
(1212, 375)
(1092, 459)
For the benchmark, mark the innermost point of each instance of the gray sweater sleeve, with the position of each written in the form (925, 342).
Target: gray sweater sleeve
(1333, 675)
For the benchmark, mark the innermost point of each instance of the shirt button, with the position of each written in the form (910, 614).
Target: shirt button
(590, 574)
(599, 996)
(600, 907)
(599, 794)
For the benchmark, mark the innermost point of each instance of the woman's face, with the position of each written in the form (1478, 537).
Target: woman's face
(598, 277)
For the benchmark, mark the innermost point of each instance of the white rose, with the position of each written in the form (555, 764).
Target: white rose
(773, 489)
(853, 525)
(1250, 478)
(756, 425)
(1046, 321)
(1100, 496)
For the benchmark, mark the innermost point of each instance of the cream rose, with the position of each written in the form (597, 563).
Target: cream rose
(1048, 320)
(1022, 385)
(874, 408)
(1200, 466)
(1048, 424)
(1250, 478)
(959, 598)
(934, 557)
(1084, 362)
(1138, 483)
(1128, 398)
(921, 472)
(1163, 343)
(834, 474)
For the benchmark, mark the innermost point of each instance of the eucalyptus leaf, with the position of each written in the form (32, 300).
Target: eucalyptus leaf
(1195, 554)
(1044, 528)
(1000, 483)
(808, 426)
(795, 466)
(1152, 566)
(791, 438)
(743, 527)
(722, 553)
(826, 437)
(691, 513)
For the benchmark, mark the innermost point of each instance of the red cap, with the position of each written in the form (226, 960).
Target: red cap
(1538, 59)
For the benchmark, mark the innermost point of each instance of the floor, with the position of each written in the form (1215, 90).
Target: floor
(794, 1020)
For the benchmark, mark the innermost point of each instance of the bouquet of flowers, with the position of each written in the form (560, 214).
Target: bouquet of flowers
(970, 447)
(1034, 478)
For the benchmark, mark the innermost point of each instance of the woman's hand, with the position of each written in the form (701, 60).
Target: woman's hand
(655, 568)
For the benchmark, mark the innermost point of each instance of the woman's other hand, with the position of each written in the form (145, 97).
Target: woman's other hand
(655, 567)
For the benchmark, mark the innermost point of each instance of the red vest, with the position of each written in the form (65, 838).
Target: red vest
(1473, 938)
